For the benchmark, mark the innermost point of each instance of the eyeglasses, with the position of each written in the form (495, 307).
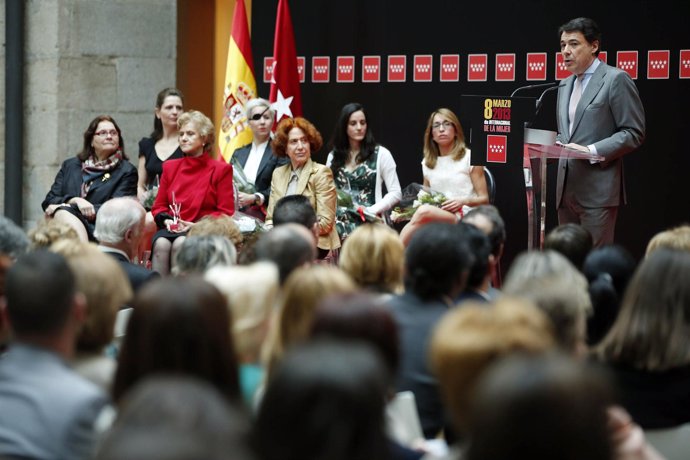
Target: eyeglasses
(111, 133)
(446, 125)
(257, 116)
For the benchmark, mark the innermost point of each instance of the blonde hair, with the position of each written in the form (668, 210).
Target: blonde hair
(50, 231)
(221, 225)
(203, 124)
(431, 150)
(469, 339)
(303, 290)
(673, 238)
(104, 284)
(374, 257)
(250, 308)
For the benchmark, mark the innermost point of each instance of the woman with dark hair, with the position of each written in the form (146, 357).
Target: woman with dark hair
(297, 139)
(192, 187)
(361, 167)
(324, 402)
(648, 346)
(608, 270)
(178, 326)
(99, 172)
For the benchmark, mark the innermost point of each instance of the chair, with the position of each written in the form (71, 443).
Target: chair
(672, 443)
(490, 184)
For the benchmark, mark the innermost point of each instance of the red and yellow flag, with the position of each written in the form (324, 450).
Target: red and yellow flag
(240, 86)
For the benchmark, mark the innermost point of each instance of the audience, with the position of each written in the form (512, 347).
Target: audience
(252, 295)
(289, 246)
(200, 253)
(648, 346)
(572, 240)
(119, 230)
(296, 209)
(48, 231)
(180, 326)
(674, 238)
(373, 256)
(437, 263)
(479, 278)
(220, 225)
(608, 270)
(106, 290)
(487, 218)
(176, 417)
(13, 243)
(48, 411)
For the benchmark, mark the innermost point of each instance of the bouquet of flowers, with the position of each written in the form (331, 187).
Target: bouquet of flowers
(413, 196)
(248, 224)
(150, 195)
(239, 178)
(347, 206)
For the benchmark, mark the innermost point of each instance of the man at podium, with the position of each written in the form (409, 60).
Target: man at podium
(599, 111)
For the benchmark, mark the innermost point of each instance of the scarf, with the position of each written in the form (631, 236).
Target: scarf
(92, 169)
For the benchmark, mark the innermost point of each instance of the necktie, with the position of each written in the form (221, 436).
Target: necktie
(574, 100)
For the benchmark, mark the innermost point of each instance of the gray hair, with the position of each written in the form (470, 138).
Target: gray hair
(258, 102)
(199, 253)
(13, 239)
(115, 217)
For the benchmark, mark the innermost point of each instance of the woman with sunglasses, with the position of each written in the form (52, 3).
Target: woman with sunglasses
(257, 159)
(99, 172)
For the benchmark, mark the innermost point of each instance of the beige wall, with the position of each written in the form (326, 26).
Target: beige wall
(84, 58)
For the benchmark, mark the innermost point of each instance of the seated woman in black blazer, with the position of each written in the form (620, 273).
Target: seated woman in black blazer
(99, 172)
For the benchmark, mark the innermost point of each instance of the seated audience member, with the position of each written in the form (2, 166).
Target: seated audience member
(487, 218)
(200, 253)
(296, 209)
(541, 408)
(13, 243)
(176, 417)
(572, 240)
(252, 295)
(608, 270)
(479, 278)
(289, 246)
(106, 290)
(437, 263)
(648, 346)
(374, 257)
(47, 410)
(674, 238)
(555, 286)
(303, 290)
(180, 326)
(221, 225)
(119, 229)
(48, 232)
(324, 401)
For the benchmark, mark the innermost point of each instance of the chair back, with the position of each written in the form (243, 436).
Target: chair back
(490, 184)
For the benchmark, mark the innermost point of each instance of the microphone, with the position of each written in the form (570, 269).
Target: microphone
(541, 97)
(540, 85)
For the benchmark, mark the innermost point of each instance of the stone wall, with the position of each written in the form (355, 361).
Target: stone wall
(85, 58)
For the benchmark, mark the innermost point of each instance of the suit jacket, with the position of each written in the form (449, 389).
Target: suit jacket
(138, 275)
(611, 117)
(202, 186)
(67, 185)
(264, 174)
(316, 183)
(48, 411)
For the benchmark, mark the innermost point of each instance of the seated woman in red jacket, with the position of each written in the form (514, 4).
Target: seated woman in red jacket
(191, 188)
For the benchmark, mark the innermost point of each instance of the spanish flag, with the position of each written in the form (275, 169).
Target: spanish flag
(240, 86)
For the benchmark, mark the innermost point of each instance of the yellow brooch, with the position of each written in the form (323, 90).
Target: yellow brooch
(106, 176)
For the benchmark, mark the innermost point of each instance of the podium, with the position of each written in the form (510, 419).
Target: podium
(540, 147)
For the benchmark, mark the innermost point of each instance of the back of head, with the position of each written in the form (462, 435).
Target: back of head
(50, 231)
(221, 225)
(480, 247)
(470, 338)
(199, 253)
(497, 230)
(651, 330)
(40, 293)
(437, 261)
(13, 240)
(296, 209)
(287, 246)
(543, 407)
(373, 256)
(674, 238)
(115, 217)
(608, 270)
(180, 326)
(324, 402)
(174, 417)
(572, 240)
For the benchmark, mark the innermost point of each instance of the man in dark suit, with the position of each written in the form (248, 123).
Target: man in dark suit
(47, 410)
(257, 159)
(437, 262)
(599, 112)
(119, 229)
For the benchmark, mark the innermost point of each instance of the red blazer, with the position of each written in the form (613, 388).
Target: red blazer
(202, 186)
